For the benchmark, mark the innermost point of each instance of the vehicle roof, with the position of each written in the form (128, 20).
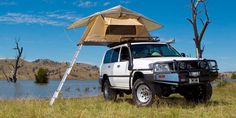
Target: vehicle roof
(136, 43)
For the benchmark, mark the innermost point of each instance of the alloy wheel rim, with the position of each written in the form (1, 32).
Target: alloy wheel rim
(143, 93)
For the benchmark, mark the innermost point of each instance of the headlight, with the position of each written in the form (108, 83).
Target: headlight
(212, 64)
(161, 68)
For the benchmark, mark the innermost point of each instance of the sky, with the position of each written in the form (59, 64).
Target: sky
(41, 27)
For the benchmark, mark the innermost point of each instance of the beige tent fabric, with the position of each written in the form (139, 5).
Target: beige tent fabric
(113, 21)
(97, 31)
(118, 12)
(112, 25)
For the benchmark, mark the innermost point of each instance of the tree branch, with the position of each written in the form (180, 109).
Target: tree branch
(206, 11)
(5, 75)
(190, 20)
(201, 21)
(12, 65)
(203, 30)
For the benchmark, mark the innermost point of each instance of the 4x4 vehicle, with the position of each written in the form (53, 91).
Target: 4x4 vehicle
(147, 69)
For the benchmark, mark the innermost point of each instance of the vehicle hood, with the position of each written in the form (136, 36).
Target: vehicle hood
(145, 63)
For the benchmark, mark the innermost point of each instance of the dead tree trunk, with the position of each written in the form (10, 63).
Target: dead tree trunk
(198, 34)
(17, 62)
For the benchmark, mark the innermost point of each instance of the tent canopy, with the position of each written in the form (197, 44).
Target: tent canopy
(110, 26)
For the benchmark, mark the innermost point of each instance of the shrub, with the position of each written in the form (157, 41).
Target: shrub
(41, 76)
(233, 76)
(221, 83)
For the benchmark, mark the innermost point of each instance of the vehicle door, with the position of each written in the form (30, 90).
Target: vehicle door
(120, 69)
(114, 61)
(106, 67)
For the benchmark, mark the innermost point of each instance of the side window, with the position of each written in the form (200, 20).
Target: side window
(124, 56)
(115, 55)
(107, 57)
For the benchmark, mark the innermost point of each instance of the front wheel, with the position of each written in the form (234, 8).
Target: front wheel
(201, 93)
(108, 92)
(142, 94)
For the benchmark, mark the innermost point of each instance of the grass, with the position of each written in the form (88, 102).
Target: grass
(222, 104)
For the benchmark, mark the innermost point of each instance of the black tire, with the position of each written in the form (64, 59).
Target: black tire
(142, 94)
(199, 94)
(109, 94)
(206, 93)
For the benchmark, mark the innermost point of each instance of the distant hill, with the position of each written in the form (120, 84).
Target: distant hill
(56, 69)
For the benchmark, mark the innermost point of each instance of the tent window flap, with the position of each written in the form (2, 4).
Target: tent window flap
(121, 30)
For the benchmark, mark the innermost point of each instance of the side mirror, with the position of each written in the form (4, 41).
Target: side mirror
(183, 54)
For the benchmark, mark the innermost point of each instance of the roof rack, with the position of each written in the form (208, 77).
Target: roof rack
(134, 39)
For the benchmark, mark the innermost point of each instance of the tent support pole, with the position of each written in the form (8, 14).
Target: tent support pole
(68, 70)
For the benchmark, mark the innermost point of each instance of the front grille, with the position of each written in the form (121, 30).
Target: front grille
(192, 65)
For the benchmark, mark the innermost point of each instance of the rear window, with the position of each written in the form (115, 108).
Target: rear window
(124, 55)
(107, 58)
(111, 56)
(115, 55)
(121, 30)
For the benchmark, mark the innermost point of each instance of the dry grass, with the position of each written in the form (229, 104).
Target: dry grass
(222, 104)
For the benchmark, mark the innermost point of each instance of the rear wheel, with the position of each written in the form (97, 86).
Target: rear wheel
(108, 92)
(142, 94)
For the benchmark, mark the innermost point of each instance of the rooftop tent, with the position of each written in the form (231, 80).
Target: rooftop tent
(104, 31)
(110, 26)
(107, 27)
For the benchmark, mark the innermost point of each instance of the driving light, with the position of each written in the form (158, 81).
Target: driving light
(203, 64)
(161, 68)
(182, 65)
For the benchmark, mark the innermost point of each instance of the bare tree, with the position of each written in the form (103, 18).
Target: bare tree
(199, 6)
(14, 67)
(17, 62)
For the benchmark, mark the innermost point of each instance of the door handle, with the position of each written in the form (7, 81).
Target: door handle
(118, 66)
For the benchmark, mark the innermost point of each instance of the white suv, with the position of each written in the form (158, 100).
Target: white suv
(149, 68)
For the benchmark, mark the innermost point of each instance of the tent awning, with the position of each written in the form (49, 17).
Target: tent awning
(111, 25)
(117, 12)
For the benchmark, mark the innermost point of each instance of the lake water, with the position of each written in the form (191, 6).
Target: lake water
(28, 89)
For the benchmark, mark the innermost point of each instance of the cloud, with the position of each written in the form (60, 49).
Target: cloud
(90, 3)
(3, 58)
(125, 1)
(7, 3)
(85, 4)
(106, 3)
(27, 18)
(47, 18)
(66, 16)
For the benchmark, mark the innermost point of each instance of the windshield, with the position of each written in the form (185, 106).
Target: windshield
(153, 50)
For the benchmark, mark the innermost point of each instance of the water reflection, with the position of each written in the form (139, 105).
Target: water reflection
(28, 89)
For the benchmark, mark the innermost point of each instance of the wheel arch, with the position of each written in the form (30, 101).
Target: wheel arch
(137, 75)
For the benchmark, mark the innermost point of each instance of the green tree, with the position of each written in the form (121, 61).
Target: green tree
(233, 76)
(41, 76)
